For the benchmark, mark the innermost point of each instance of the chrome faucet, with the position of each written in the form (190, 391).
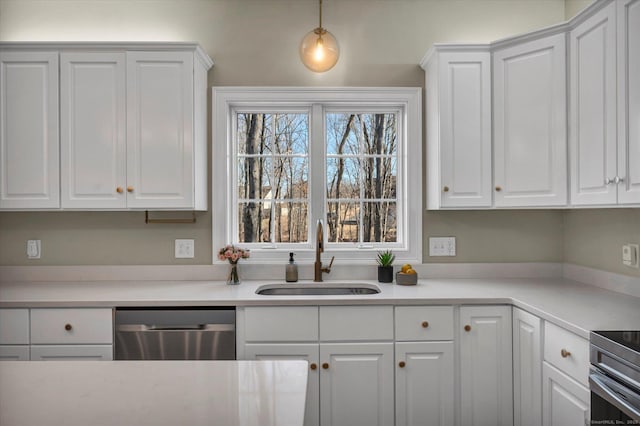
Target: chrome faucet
(317, 266)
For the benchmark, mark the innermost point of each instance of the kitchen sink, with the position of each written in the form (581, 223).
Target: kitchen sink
(317, 289)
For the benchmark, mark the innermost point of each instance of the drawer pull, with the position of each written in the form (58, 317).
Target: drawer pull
(401, 364)
(325, 365)
(498, 188)
(445, 189)
(313, 366)
(467, 328)
(565, 353)
(425, 324)
(68, 327)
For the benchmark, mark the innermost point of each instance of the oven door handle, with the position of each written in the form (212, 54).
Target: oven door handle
(614, 393)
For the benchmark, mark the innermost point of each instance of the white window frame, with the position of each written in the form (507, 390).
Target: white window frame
(407, 101)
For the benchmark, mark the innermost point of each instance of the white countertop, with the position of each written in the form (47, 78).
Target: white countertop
(577, 307)
(260, 393)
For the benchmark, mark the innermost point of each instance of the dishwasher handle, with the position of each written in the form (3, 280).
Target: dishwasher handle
(138, 328)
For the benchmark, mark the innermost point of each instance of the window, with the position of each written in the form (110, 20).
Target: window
(285, 158)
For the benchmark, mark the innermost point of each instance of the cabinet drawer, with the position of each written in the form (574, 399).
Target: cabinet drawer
(72, 353)
(424, 323)
(71, 326)
(281, 324)
(567, 352)
(354, 323)
(14, 326)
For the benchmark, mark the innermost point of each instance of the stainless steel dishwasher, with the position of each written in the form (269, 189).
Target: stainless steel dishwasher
(175, 333)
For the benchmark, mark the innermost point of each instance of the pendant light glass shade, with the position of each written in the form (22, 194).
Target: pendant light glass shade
(319, 49)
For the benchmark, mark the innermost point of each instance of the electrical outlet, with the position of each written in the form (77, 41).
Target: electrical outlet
(33, 249)
(184, 249)
(442, 246)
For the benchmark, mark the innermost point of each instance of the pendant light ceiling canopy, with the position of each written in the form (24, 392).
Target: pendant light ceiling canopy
(319, 49)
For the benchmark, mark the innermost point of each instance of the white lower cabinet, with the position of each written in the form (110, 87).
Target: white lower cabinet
(565, 401)
(350, 354)
(356, 384)
(14, 334)
(294, 351)
(71, 334)
(485, 366)
(424, 384)
(527, 369)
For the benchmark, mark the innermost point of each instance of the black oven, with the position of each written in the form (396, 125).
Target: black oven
(614, 378)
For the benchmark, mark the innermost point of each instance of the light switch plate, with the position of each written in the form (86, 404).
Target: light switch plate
(442, 246)
(630, 255)
(184, 249)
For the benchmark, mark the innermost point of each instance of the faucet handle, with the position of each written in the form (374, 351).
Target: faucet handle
(327, 269)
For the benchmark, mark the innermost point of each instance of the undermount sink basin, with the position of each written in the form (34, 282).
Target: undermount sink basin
(317, 289)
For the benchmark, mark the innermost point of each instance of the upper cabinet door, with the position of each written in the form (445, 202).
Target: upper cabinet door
(592, 136)
(459, 130)
(530, 145)
(160, 170)
(628, 21)
(93, 115)
(29, 156)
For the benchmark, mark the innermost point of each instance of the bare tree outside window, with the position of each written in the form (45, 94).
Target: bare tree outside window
(361, 177)
(273, 177)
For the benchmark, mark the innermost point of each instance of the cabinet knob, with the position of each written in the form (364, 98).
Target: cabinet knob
(618, 179)
(129, 188)
(68, 327)
(313, 366)
(467, 327)
(565, 353)
(425, 324)
(325, 365)
(119, 190)
(498, 188)
(608, 181)
(401, 364)
(445, 189)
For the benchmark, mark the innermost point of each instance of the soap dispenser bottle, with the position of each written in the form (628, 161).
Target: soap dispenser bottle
(291, 271)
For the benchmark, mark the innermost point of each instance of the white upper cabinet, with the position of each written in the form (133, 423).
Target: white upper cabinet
(93, 114)
(592, 134)
(529, 112)
(458, 128)
(628, 21)
(29, 150)
(605, 106)
(160, 147)
(133, 126)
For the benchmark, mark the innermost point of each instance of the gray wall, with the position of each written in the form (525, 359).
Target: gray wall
(254, 42)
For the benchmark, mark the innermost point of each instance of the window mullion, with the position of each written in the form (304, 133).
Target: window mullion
(317, 165)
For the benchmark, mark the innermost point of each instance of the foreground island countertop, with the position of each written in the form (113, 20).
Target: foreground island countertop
(575, 306)
(140, 393)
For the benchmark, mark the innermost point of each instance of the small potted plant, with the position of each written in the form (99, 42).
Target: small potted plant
(385, 266)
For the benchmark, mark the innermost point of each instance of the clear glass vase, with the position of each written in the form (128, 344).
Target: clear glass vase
(234, 278)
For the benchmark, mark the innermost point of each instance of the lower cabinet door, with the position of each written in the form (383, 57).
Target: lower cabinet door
(14, 352)
(486, 391)
(565, 402)
(295, 351)
(71, 352)
(424, 384)
(356, 384)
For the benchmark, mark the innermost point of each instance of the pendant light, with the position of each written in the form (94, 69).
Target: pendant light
(319, 49)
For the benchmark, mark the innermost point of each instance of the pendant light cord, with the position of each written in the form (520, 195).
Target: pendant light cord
(320, 14)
